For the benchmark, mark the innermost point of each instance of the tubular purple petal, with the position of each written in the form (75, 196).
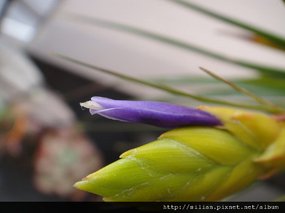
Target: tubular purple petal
(150, 112)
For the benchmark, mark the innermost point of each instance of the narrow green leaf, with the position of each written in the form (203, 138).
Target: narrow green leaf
(241, 90)
(184, 80)
(266, 70)
(263, 41)
(267, 82)
(260, 85)
(166, 88)
(275, 39)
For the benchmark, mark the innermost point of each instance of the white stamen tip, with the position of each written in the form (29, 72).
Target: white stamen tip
(91, 105)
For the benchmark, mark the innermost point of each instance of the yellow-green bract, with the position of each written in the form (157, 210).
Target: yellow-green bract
(195, 163)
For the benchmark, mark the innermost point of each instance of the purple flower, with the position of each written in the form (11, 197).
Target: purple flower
(150, 112)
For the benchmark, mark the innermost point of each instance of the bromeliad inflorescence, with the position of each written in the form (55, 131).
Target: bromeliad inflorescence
(209, 153)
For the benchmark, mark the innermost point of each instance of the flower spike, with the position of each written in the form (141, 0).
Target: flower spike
(194, 163)
(150, 112)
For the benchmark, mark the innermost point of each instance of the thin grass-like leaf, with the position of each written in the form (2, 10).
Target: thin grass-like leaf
(168, 89)
(241, 90)
(275, 39)
(253, 38)
(268, 83)
(263, 69)
(263, 41)
(260, 85)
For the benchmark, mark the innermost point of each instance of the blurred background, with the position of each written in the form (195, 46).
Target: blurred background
(47, 142)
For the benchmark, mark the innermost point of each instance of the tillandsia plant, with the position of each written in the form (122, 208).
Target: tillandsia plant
(209, 153)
